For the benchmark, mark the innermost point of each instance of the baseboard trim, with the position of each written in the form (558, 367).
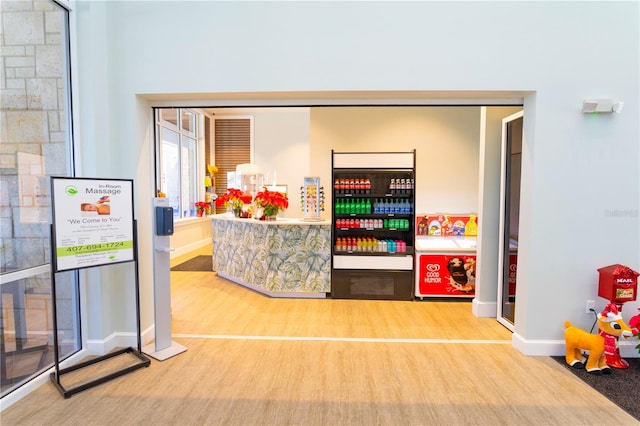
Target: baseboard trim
(119, 340)
(113, 341)
(484, 309)
(558, 348)
(538, 347)
(276, 294)
(628, 348)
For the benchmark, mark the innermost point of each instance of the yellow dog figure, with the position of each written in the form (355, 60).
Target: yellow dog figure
(577, 340)
(610, 326)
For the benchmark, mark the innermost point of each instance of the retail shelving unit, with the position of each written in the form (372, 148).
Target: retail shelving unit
(373, 222)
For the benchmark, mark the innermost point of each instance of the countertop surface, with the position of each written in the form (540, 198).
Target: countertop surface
(278, 221)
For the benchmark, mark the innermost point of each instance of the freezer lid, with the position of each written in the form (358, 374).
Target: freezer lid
(435, 243)
(467, 242)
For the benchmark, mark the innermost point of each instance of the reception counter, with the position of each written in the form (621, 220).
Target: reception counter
(282, 258)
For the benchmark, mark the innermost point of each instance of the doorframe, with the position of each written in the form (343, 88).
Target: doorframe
(501, 240)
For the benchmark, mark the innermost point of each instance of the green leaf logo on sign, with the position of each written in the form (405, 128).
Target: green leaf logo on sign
(71, 190)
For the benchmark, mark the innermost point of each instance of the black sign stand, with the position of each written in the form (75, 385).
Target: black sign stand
(144, 361)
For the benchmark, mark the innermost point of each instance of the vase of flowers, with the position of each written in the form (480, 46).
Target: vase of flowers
(235, 200)
(271, 202)
(202, 207)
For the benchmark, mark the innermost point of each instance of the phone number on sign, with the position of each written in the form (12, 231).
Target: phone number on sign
(94, 248)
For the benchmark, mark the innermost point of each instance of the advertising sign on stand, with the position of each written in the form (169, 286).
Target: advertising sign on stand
(92, 222)
(93, 225)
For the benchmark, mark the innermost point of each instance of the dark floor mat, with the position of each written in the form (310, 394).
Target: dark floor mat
(621, 386)
(198, 263)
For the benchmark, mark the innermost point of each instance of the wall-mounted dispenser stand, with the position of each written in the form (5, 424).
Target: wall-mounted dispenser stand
(163, 347)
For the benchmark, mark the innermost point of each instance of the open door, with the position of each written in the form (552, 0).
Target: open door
(509, 217)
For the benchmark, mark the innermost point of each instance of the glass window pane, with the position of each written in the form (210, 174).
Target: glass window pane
(189, 176)
(169, 117)
(170, 173)
(26, 312)
(188, 122)
(36, 144)
(177, 153)
(34, 138)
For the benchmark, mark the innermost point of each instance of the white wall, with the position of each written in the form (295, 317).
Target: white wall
(189, 235)
(281, 147)
(580, 173)
(446, 140)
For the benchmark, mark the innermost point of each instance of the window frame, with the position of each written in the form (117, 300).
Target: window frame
(197, 174)
(78, 312)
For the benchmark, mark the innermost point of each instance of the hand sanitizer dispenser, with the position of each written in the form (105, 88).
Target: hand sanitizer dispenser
(164, 220)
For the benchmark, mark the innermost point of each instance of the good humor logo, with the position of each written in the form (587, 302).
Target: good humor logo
(433, 274)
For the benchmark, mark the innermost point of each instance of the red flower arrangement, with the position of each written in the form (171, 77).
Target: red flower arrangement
(271, 202)
(234, 198)
(202, 207)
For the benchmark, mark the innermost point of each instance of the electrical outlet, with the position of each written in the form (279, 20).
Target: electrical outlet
(591, 306)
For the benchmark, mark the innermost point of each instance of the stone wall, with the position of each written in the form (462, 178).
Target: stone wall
(33, 119)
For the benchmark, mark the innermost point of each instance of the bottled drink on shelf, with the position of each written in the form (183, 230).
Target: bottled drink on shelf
(373, 212)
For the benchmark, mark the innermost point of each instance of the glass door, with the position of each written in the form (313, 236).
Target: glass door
(509, 217)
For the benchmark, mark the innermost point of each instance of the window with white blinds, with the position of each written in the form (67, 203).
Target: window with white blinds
(232, 142)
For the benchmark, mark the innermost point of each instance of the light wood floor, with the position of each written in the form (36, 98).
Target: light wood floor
(252, 360)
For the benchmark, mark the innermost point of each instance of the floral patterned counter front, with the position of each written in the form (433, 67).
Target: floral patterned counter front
(283, 258)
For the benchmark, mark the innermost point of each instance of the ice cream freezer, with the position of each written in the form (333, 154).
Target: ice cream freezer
(445, 266)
